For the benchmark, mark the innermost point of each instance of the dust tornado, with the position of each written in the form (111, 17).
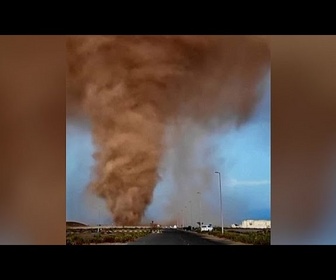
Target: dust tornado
(132, 87)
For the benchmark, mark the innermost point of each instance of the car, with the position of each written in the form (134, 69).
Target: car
(235, 226)
(208, 227)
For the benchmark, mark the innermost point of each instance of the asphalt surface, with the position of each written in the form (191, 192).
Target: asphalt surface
(180, 237)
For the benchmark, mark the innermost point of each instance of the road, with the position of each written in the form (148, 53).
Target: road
(180, 237)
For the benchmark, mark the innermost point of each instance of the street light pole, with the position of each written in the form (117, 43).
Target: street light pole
(185, 212)
(177, 219)
(220, 198)
(190, 214)
(182, 218)
(200, 216)
(98, 218)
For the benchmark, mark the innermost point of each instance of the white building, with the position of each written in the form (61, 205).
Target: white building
(256, 224)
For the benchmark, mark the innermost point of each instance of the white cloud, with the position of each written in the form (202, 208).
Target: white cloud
(235, 182)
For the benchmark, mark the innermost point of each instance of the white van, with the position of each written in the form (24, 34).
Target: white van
(207, 227)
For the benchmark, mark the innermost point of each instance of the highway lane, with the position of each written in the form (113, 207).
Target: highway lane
(178, 237)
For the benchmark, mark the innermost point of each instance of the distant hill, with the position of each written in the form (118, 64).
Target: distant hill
(75, 224)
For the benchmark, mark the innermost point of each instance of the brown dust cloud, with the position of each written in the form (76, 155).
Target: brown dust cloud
(32, 139)
(132, 87)
(303, 139)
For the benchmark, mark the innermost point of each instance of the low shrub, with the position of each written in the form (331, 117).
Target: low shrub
(262, 237)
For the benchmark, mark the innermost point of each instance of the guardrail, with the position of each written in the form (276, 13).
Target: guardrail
(111, 227)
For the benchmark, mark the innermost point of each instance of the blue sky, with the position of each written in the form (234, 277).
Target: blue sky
(242, 156)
